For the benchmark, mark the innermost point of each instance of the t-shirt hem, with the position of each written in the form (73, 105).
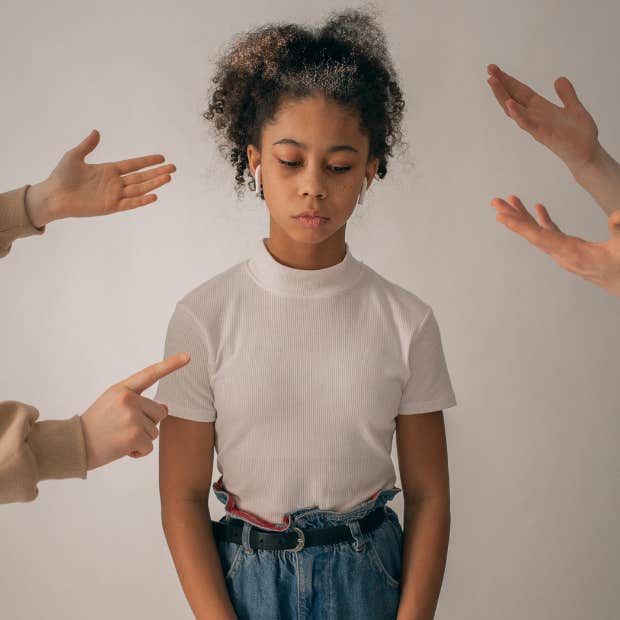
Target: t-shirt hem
(198, 415)
(427, 406)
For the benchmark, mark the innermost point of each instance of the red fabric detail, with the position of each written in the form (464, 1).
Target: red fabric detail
(255, 519)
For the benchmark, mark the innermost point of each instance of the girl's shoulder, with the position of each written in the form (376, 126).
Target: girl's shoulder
(213, 294)
(402, 300)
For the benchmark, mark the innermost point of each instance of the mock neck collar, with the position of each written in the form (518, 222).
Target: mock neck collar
(279, 278)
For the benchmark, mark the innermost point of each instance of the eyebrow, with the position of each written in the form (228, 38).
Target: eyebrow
(331, 149)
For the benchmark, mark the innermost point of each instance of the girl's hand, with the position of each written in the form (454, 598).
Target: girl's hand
(569, 131)
(597, 262)
(78, 189)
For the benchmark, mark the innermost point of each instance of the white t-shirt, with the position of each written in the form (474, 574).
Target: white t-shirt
(303, 373)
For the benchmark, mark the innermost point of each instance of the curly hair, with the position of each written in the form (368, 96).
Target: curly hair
(346, 60)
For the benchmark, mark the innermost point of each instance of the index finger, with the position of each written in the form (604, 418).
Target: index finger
(518, 90)
(549, 241)
(147, 376)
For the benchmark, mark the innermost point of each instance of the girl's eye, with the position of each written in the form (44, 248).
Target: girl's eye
(293, 164)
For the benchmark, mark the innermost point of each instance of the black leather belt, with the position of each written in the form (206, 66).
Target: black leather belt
(296, 538)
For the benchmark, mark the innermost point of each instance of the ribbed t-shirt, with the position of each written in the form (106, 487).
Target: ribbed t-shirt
(303, 372)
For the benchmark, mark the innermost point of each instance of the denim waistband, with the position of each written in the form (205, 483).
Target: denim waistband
(308, 517)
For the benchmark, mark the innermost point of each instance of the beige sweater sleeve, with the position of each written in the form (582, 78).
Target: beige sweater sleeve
(31, 451)
(14, 220)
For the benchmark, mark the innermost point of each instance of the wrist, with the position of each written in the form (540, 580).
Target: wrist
(40, 204)
(599, 165)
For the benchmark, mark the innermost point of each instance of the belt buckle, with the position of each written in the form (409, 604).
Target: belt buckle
(301, 540)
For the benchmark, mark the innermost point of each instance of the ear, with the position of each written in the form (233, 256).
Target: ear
(253, 155)
(371, 171)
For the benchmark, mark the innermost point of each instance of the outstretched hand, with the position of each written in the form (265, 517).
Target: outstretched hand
(570, 131)
(81, 190)
(596, 262)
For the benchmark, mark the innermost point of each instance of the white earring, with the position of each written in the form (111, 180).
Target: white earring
(257, 179)
(363, 192)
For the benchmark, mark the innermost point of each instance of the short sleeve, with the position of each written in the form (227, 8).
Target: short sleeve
(187, 391)
(428, 387)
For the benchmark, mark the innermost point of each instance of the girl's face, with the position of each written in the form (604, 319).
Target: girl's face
(313, 158)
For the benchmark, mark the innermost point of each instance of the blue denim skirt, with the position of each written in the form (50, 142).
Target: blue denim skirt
(349, 580)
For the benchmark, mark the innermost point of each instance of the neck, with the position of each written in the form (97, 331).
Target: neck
(306, 254)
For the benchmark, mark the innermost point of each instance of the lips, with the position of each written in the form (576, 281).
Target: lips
(309, 214)
(309, 221)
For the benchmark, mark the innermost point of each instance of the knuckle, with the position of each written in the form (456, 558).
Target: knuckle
(135, 434)
(131, 417)
(124, 397)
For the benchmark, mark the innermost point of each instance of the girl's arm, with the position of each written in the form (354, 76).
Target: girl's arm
(185, 470)
(423, 464)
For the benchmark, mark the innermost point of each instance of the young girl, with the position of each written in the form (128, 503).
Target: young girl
(304, 360)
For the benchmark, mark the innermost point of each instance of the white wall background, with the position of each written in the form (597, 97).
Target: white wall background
(532, 350)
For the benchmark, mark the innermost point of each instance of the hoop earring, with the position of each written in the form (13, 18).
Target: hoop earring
(257, 181)
(363, 192)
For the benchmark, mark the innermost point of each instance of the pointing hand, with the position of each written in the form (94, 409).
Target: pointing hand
(122, 422)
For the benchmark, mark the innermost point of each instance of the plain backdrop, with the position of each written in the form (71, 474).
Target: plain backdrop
(532, 349)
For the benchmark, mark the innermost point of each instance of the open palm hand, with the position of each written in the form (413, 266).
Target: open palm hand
(570, 131)
(598, 262)
(82, 190)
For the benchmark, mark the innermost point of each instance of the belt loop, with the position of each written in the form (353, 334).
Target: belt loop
(356, 532)
(245, 537)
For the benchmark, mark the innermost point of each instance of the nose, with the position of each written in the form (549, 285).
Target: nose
(313, 184)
